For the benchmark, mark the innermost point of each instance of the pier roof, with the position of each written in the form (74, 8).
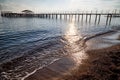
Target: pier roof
(27, 11)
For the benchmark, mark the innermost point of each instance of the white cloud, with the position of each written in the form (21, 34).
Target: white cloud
(48, 5)
(11, 6)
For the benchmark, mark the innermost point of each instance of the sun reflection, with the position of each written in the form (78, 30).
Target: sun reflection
(74, 43)
(72, 34)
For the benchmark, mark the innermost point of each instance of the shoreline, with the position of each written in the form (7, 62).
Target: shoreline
(54, 74)
(53, 71)
(102, 64)
(65, 65)
(38, 69)
(72, 73)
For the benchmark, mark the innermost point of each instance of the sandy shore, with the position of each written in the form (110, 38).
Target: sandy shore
(53, 71)
(102, 62)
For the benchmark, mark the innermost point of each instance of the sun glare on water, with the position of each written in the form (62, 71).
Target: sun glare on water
(74, 41)
(72, 34)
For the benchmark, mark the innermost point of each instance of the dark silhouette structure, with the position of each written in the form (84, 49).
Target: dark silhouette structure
(78, 16)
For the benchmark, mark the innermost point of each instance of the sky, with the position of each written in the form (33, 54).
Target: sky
(59, 5)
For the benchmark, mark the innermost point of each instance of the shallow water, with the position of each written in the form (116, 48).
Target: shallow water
(27, 44)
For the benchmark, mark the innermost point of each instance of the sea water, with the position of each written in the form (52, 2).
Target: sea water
(29, 44)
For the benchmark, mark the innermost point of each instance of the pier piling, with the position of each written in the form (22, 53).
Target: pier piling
(99, 18)
(77, 16)
(86, 18)
(107, 19)
(95, 18)
(110, 19)
(82, 17)
(90, 18)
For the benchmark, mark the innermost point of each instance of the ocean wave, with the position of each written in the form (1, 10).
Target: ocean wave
(32, 59)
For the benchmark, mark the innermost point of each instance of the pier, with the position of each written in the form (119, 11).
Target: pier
(66, 16)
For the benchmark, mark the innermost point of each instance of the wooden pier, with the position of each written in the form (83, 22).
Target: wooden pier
(66, 16)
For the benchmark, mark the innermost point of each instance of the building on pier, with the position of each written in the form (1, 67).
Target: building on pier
(27, 12)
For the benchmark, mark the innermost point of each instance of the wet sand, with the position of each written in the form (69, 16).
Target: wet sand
(102, 63)
(53, 71)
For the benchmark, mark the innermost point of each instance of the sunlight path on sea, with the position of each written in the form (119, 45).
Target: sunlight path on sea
(75, 43)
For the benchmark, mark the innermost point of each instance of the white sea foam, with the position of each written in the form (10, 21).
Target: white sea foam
(37, 69)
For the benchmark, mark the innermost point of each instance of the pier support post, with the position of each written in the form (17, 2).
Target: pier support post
(78, 17)
(107, 19)
(66, 16)
(69, 17)
(56, 16)
(99, 18)
(45, 16)
(52, 16)
(75, 17)
(82, 17)
(49, 16)
(60, 16)
(95, 18)
(90, 19)
(86, 17)
(42, 15)
(72, 17)
(110, 19)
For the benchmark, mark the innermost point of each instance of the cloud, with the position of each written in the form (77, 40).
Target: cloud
(55, 5)
(95, 4)
(11, 6)
(35, 5)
